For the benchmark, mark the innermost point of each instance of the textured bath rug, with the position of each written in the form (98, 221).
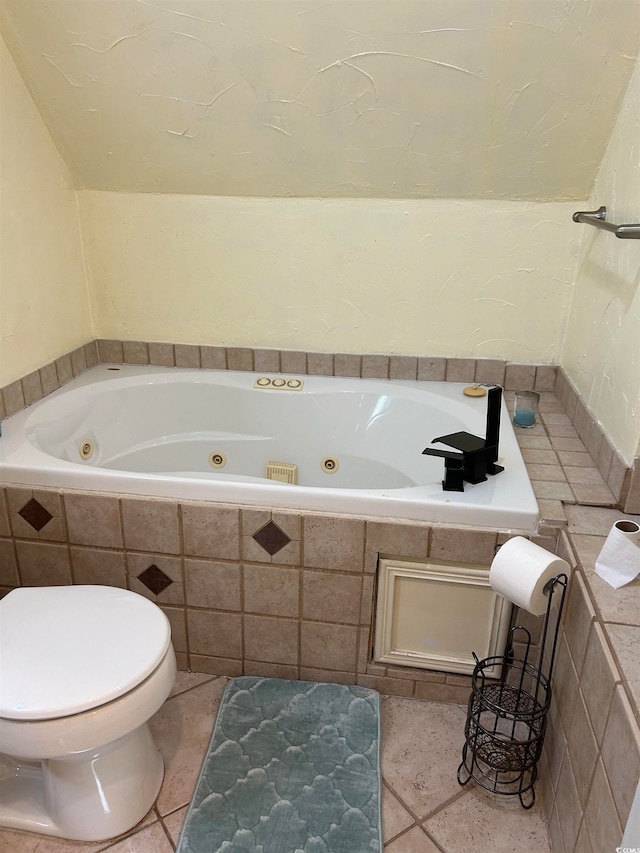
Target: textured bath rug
(292, 767)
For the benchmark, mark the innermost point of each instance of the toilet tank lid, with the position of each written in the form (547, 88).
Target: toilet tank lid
(66, 649)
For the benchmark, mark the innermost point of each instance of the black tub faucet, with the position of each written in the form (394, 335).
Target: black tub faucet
(473, 457)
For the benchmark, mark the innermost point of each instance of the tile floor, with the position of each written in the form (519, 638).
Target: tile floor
(424, 808)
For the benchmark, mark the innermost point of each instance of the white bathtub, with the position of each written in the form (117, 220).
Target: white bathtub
(153, 430)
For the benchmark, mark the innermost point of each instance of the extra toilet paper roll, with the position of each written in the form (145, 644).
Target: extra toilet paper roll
(520, 571)
(619, 561)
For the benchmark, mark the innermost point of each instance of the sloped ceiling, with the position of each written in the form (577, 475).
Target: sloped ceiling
(505, 99)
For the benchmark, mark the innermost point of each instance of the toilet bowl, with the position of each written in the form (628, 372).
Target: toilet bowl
(82, 670)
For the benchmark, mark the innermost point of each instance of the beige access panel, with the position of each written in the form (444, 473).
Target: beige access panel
(434, 615)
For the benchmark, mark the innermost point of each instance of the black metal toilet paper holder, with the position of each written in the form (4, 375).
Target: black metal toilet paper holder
(507, 715)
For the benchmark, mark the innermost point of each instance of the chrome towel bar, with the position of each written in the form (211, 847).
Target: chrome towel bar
(599, 219)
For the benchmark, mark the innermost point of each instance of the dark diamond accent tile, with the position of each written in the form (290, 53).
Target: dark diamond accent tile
(155, 579)
(272, 538)
(35, 514)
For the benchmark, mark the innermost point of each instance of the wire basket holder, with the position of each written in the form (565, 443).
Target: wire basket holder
(507, 716)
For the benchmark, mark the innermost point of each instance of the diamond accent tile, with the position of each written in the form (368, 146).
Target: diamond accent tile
(271, 538)
(35, 514)
(155, 579)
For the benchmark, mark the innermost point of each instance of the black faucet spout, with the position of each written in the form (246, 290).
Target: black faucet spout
(473, 457)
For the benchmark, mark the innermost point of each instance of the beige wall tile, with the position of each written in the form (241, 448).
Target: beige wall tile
(19, 500)
(91, 353)
(271, 670)
(555, 832)
(554, 491)
(135, 352)
(403, 367)
(320, 363)
(625, 640)
(568, 804)
(43, 564)
(347, 364)
(239, 358)
(490, 371)
(329, 675)
(632, 500)
(389, 686)
(583, 844)
(13, 397)
(271, 640)
(470, 546)
(293, 361)
(621, 753)
(375, 366)
(93, 520)
(271, 591)
(228, 667)
(555, 747)
(392, 539)
(49, 378)
(605, 831)
(211, 531)
(151, 525)
(187, 355)
(366, 607)
(137, 564)
(177, 619)
(32, 388)
(8, 564)
(549, 473)
(110, 351)
(583, 748)
(460, 370)
(5, 530)
(616, 475)
(565, 683)
(214, 634)
(266, 360)
(575, 459)
(598, 679)
(329, 646)
(78, 361)
(598, 495)
(255, 521)
(333, 543)
(331, 597)
(432, 369)
(578, 616)
(545, 377)
(213, 358)
(64, 369)
(520, 377)
(212, 584)
(435, 692)
(95, 566)
(161, 354)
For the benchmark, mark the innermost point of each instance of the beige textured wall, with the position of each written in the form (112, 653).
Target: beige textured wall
(434, 277)
(44, 304)
(602, 352)
(504, 99)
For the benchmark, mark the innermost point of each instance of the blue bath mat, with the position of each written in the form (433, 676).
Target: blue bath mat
(292, 767)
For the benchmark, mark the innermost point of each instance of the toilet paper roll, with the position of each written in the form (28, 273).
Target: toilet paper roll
(520, 571)
(619, 561)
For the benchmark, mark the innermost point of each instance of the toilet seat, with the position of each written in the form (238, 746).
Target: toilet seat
(69, 649)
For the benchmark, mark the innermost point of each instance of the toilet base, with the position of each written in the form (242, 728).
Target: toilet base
(93, 795)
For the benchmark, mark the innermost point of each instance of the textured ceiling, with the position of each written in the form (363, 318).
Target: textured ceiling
(507, 99)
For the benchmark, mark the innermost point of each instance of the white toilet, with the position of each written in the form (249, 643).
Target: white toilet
(82, 670)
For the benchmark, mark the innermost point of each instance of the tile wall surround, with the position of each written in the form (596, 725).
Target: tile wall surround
(254, 591)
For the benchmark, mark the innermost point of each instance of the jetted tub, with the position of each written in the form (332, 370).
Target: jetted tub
(208, 435)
